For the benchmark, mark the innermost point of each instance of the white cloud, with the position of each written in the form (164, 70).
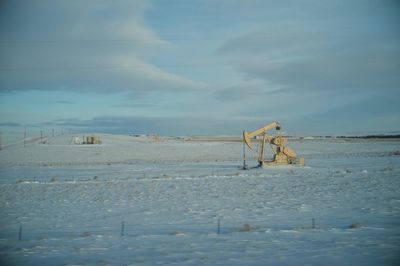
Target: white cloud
(288, 61)
(83, 46)
(301, 59)
(313, 68)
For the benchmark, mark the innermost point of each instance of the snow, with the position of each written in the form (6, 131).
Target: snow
(71, 201)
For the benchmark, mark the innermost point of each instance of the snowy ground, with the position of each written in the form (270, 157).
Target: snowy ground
(71, 201)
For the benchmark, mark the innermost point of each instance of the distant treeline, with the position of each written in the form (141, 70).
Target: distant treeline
(371, 137)
(395, 136)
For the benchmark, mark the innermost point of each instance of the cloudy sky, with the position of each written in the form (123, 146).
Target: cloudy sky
(177, 67)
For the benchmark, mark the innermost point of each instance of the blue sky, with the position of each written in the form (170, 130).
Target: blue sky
(200, 67)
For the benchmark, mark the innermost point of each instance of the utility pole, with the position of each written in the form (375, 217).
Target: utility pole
(1, 146)
(53, 132)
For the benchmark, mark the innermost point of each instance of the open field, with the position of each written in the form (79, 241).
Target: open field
(137, 201)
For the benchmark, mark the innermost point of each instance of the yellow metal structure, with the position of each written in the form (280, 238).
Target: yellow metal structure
(283, 155)
(248, 136)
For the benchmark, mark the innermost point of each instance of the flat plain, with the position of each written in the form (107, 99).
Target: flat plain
(174, 201)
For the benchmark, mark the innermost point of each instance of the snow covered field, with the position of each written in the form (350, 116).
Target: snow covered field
(134, 201)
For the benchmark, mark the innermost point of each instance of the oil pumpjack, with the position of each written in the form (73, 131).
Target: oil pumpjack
(283, 155)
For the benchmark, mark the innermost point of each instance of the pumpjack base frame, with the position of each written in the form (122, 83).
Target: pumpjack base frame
(296, 162)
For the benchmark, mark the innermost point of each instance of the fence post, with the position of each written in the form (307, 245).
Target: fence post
(313, 223)
(20, 233)
(25, 137)
(122, 228)
(219, 226)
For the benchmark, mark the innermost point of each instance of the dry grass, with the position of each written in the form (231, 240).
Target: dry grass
(246, 228)
(355, 225)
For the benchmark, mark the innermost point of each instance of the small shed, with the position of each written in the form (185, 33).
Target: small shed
(93, 140)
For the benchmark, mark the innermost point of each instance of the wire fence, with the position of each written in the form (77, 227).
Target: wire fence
(25, 232)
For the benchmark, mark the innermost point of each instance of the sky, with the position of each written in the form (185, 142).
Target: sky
(200, 67)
